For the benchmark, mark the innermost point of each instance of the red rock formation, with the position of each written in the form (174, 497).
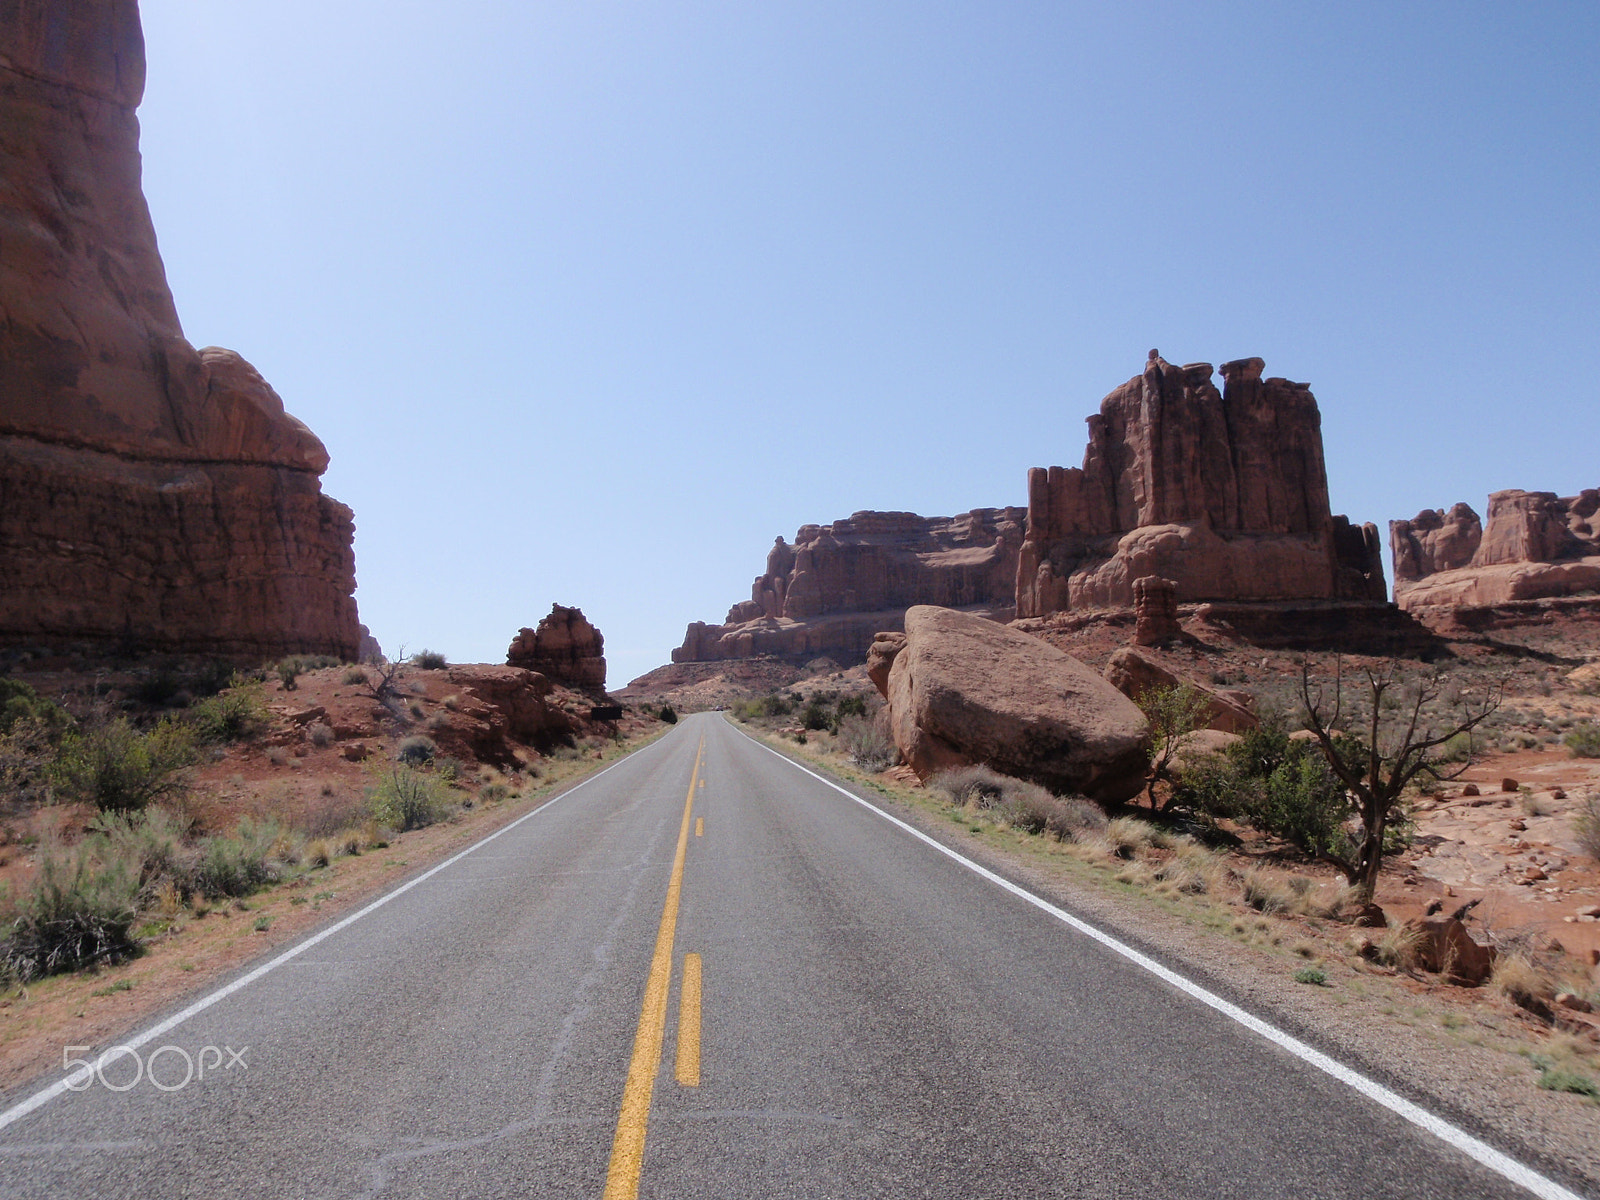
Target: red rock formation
(150, 494)
(1224, 493)
(839, 584)
(961, 690)
(1535, 546)
(1155, 606)
(565, 647)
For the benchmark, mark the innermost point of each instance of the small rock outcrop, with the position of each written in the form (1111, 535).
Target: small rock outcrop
(1223, 493)
(565, 647)
(838, 585)
(152, 496)
(962, 689)
(1534, 546)
(1155, 609)
(1133, 674)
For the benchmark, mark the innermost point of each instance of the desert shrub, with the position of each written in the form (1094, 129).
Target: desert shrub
(237, 864)
(976, 786)
(1584, 741)
(19, 703)
(354, 676)
(1459, 749)
(79, 913)
(864, 744)
(403, 799)
(1523, 981)
(493, 793)
(150, 843)
(118, 769)
(764, 706)
(320, 734)
(667, 715)
(229, 716)
(1265, 892)
(287, 671)
(1126, 836)
(851, 706)
(816, 716)
(429, 660)
(1315, 976)
(1556, 1079)
(1017, 803)
(27, 759)
(417, 751)
(1192, 869)
(1586, 824)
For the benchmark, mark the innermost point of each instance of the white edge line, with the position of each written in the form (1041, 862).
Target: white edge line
(1502, 1164)
(70, 1083)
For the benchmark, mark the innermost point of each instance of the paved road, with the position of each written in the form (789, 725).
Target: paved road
(876, 1020)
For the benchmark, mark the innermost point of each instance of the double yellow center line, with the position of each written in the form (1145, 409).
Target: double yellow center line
(627, 1147)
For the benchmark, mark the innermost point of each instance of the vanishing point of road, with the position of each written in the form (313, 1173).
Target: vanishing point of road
(707, 972)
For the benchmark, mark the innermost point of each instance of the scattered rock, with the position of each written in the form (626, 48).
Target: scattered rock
(1574, 1002)
(355, 751)
(962, 689)
(1589, 910)
(1372, 917)
(1470, 790)
(1508, 784)
(1446, 948)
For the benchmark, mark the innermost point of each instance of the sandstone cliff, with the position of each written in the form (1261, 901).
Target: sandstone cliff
(1535, 546)
(837, 585)
(151, 495)
(1224, 493)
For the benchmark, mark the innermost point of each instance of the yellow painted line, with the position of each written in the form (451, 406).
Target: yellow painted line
(627, 1147)
(699, 826)
(688, 1068)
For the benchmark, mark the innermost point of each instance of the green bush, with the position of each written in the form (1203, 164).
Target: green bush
(816, 716)
(403, 799)
(229, 716)
(667, 714)
(1584, 741)
(79, 913)
(429, 660)
(287, 670)
(118, 769)
(850, 706)
(237, 864)
(20, 703)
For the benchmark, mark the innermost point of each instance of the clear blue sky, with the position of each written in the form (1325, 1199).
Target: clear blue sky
(589, 300)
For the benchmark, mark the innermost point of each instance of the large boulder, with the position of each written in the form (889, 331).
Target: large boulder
(1133, 674)
(962, 689)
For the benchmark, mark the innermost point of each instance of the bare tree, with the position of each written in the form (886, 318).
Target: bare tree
(1393, 737)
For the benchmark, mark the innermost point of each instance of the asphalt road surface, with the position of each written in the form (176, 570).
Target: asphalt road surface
(706, 973)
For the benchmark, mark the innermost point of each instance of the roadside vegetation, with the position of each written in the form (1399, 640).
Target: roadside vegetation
(1275, 841)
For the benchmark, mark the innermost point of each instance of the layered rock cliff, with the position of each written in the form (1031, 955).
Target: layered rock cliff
(151, 495)
(1224, 493)
(1535, 546)
(837, 585)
